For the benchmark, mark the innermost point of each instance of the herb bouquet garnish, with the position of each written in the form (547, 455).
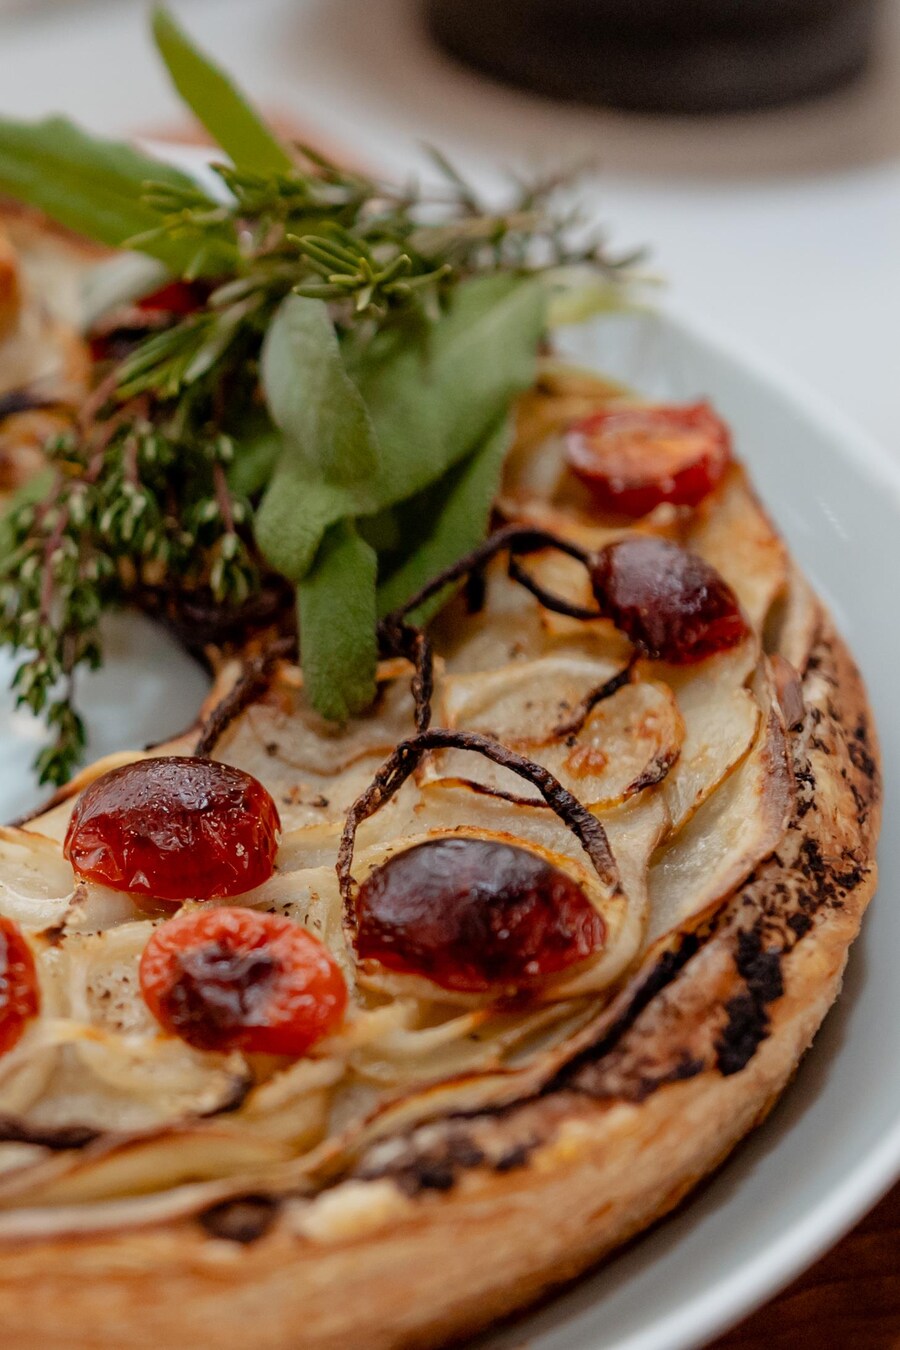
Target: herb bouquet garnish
(324, 410)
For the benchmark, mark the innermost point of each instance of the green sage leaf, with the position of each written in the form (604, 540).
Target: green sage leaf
(329, 442)
(258, 446)
(431, 401)
(434, 401)
(445, 522)
(337, 615)
(95, 187)
(217, 103)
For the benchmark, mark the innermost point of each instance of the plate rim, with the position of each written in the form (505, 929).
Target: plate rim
(749, 1286)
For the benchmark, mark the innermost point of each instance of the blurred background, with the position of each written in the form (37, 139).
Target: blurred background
(781, 225)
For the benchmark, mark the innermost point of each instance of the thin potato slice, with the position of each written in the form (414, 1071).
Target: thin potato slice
(732, 532)
(316, 769)
(721, 717)
(36, 882)
(525, 705)
(735, 829)
(624, 744)
(133, 1167)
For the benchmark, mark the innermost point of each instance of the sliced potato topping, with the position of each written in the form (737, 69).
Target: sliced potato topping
(603, 754)
(315, 769)
(731, 531)
(684, 768)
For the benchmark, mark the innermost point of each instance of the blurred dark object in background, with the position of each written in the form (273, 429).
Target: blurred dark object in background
(678, 56)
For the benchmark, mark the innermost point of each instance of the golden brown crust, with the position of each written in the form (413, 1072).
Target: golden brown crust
(438, 1232)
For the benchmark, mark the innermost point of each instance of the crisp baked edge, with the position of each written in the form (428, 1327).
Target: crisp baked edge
(465, 1221)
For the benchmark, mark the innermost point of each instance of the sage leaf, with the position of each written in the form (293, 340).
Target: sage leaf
(431, 400)
(257, 448)
(445, 522)
(217, 103)
(384, 531)
(312, 398)
(329, 442)
(95, 187)
(437, 398)
(337, 618)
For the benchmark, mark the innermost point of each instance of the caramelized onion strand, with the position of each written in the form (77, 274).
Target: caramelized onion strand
(549, 601)
(516, 538)
(573, 724)
(255, 674)
(397, 638)
(402, 763)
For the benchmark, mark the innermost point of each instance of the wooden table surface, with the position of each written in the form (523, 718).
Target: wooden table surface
(850, 1300)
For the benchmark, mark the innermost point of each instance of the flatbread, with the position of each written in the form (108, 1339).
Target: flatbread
(443, 1160)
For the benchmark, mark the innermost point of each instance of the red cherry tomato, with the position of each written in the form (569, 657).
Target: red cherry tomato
(176, 300)
(670, 603)
(231, 979)
(474, 915)
(19, 998)
(178, 297)
(632, 459)
(175, 829)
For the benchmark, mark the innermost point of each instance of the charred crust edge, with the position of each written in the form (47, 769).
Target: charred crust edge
(781, 900)
(244, 1220)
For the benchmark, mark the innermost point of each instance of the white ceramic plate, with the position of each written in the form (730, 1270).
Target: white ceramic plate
(833, 1144)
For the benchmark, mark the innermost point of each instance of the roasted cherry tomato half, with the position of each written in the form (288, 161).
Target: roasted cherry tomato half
(175, 829)
(670, 603)
(178, 297)
(632, 459)
(120, 333)
(473, 915)
(232, 979)
(19, 998)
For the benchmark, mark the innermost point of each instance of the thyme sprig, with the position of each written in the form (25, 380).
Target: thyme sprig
(130, 508)
(374, 253)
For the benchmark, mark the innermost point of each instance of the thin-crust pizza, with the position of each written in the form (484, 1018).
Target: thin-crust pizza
(572, 900)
